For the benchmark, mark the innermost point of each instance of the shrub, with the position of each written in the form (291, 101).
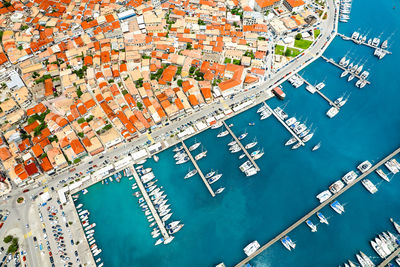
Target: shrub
(8, 239)
(298, 36)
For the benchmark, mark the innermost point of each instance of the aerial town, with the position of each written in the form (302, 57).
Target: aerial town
(80, 79)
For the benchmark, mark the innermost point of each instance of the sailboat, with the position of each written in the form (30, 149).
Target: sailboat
(316, 147)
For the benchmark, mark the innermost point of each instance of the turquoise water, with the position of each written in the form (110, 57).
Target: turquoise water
(260, 207)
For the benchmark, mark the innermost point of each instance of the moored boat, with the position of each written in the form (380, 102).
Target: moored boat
(311, 225)
(322, 218)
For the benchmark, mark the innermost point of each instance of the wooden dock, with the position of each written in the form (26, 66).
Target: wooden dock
(390, 258)
(318, 208)
(241, 146)
(330, 60)
(198, 169)
(347, 38)
(321, 94)
(159, 222)
(284, 124)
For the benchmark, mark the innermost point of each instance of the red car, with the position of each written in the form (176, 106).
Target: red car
(24, 258)
(25, 190)
(51, 254)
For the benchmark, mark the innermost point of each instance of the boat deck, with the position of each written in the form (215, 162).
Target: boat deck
(390, 258)
(284, 124)
(318, 208)
(321, 94)
(330, 60)
(347, 38)
(159, 222)
(241, 146)
(198, 169)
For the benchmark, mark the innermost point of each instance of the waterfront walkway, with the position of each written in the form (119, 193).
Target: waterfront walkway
(150, 204)
(321, 94)
(318, 208)
(198, 169)
(347, 38)
(284, 124)
(241, 146)
(330, 60)
(390, 258)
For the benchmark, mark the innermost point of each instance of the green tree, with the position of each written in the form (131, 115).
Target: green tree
(179, 82)
(139, 105)
(77, 160)
(81, 120)
(189, 46)
(81, 135)
(8, 239)
(299, 36)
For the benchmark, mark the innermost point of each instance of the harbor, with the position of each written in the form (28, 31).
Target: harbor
(198, 169)
(253, 162)
(317, 209)
(395, 254)
(148, 201)
(347, 38)
(330, 60)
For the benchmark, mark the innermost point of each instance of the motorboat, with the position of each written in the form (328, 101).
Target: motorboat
(361, 260)
(250, 172)
(169, 240)
(224, 133)
(311, 225)
(285, 243)
(191, 173)
(349, 177)
(364, 166)
(175, 229)
(324, 196)
(367, 260)
(262, 108)
(233, 142)
(214, 178)
(280, 113)
(303, 134)
(257, 155)
(251, 248)
(290, 121)
(336, 206)
(290, 242)
(332, 112)
(316, 147)
(245, 166)
(320, 86)
(155, 158)
(211, 173)
(382, 175)
(172, 224)
(220, 190)
(201, 155)
(344, 73)
(336, 186)
(322, 218)
(177, 149)
(369, 186)
(183, 160)
(265, 114)
(159, 241)
(242, 156)
(194, 146)
(243, 135)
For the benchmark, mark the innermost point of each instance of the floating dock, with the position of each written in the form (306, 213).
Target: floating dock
(330, 60)
(344, 37)
(318, 208)
(198, 169)
(241, 146)
(284, 124)
(390, 258)
(319, 92)
(159, 222)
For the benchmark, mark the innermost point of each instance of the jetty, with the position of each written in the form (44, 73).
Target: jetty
(241, 146)
(330, 60)
(319, 92)
(284, 124)
(390, 258)
(198, 169)
(318, 208)
(159, 222)
(347, 38)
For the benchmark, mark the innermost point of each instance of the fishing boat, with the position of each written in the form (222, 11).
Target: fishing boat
(322, 218)
(311, 225)
(194, 146)
(190, 173)
(222, 134)
(336, 206)
(285, 243)
(369, 186)
(211, 173)
(316, 147)
(220, 190)
(214, 178)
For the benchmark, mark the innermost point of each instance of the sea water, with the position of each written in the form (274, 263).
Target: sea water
(260, 207)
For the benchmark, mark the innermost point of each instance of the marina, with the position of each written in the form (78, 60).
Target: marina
(317, 209)
(241, 146)
(198, 169)
(390, 258)
(330, 60)
(154, 213)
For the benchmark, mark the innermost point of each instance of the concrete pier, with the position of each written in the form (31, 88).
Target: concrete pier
(198, 169)
(330, 60)
(159, 222)
(318, 208)
(347, 38)
(241, 146)
(284, 124)
(390, 258)
(321, 94)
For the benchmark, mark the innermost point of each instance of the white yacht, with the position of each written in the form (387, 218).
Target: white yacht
(243, 135)
(364, 166)
(367, 259)
(332, 112)
(311, 225)
(384, 44)
(220, 190)
(336, 206)
(201, 155)
(251, 248)
(191, 173)
(265, 114)
(320, 86)
(346, 63)
(359, 69)
(307, 137)
(214, 178)
(336, 186)
(322, 218)
(369, 186)
(216, 125)
(316, 147)
(344, 73)
(355, 35)
(342, 61)
(349, 177)
(378, 249)
(364, 75)
(222, 134)
(194, 146)
(382, 175)
(250, 172)
(396, 225)
(324, 196)
(296, 146)
(290, 121)
(251, 145)
(261, 109)
(245, 166)
(291, 141)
